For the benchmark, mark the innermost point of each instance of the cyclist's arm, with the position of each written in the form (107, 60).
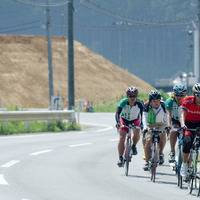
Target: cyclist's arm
(117, 114)
(169, 117)
(144, 119)
(183, 113)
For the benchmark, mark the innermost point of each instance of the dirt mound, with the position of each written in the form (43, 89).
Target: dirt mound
(24, 72)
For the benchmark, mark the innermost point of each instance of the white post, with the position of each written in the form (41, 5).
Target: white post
(196, 54)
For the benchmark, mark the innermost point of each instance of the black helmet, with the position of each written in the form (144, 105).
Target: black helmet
(196, 88)
(154, 94)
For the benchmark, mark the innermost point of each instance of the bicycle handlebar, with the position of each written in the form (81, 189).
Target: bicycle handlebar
(197, 130)
(130, 126)
(156, 131)
(175, 129)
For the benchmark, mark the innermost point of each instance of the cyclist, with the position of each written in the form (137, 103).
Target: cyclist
(172, 106)
(189, 118)
(129, 111)
(154, 114)
(143, 138)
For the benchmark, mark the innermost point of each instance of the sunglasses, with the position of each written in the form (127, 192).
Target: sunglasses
(197, 95)
(179, 95)
(132, 96)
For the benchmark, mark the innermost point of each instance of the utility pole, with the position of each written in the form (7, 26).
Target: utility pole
(49, 53)
(70, 57)
(188, 55)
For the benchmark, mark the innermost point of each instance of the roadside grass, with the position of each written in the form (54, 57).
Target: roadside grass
(111, 106)
(36, 127)
(20, 127)
(59, 126)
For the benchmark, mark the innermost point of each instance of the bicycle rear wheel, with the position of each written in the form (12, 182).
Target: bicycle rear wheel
(127, 155)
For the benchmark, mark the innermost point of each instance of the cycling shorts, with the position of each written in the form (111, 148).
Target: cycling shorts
(191, 126)
(149, 134)
(187, 143)
(135, 122)
(174, 121)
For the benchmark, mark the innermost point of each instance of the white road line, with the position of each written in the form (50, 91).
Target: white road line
(81, 132)
(78, 145)
(105, 129)
(116, 139)
(40, 152)
(9, 164)
(2, 180)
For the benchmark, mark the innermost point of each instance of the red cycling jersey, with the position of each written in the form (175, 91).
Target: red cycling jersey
(193, 111)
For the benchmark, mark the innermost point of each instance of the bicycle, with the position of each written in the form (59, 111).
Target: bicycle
(193, 164)
(127, 153)
(154, 159)
(178, 160)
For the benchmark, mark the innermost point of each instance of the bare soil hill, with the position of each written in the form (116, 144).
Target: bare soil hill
(24, 72)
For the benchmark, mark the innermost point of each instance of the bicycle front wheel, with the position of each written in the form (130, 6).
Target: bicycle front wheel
(191, 173)
(178, 168)
(154, 161)
(197, 174)
(127, 155)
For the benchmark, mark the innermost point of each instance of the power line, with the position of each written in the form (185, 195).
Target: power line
(41, 5)
(24, 24)
(110, 13)
(17, 30)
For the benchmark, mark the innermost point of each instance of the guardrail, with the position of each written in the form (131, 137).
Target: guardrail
(6, 116)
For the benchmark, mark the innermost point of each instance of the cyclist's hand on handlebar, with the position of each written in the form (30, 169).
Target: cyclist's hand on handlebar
(167, 129)
(118, 125)
(183, 129)
(145, 130)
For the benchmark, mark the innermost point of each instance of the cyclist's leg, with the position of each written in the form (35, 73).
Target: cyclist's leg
(147, 149)
(136, 136)
(162, 143)
(187, 144)
(173, 139)
(143, 145)
(121, 147)
(122, 137)
(173, 135)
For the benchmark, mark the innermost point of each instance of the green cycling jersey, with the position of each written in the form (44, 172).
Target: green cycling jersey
(171, 104)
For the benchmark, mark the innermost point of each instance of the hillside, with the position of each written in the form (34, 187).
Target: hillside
(24, 73)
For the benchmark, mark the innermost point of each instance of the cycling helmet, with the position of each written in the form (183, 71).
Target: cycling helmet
(154, 94)
(196, 88)
(180, 88)
(131, 90)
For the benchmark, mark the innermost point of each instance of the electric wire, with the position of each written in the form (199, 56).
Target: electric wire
(42, 5)
(105, 11)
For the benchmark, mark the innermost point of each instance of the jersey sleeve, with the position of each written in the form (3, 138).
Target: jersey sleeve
(169, 104)
(185, 103)
(163, 106)
(122, 103)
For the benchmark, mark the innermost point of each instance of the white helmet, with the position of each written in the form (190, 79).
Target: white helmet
(196, 88)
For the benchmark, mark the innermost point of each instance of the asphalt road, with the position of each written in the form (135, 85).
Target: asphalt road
(79, 165)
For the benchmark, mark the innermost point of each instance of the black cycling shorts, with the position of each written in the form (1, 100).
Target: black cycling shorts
(187, 143)
(174, 121)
